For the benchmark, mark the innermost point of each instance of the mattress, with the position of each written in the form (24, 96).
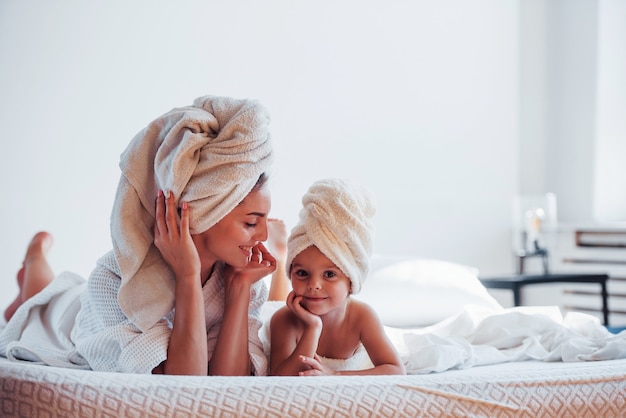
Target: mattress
(516, 389)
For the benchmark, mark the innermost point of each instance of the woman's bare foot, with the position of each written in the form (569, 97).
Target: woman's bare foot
(280, 285)
(277, 238)
(8, 313)
(35, 273)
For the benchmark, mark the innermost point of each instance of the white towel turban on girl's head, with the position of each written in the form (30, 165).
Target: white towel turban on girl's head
(211, 155)
(336, 217)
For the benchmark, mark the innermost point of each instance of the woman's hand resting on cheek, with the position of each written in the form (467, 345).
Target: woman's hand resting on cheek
(261, 264)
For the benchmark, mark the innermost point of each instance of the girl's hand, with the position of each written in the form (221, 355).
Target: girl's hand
(172, 237)
(261, 264)
(309, 319)
(316, 368)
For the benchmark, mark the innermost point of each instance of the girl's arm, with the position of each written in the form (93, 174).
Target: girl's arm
(381, 351)
(372, 334)
(231, 355)
(287, 345)
(187, 349)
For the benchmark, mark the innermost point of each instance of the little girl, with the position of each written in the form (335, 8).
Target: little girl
(322, 330)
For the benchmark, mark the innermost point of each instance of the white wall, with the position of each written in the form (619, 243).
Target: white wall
(418, 100)
(533, 86)
(573, 107)
(610, 179)
(572, 77)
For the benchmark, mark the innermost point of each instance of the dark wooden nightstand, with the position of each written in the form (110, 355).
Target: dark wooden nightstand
(515, 282)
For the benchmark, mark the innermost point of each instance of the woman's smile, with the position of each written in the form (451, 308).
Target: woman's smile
(247, 250)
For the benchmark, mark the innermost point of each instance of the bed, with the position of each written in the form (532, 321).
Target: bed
(528, 389)
(410, 294)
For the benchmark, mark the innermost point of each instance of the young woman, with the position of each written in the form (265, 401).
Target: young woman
(322, 330)
(180, 293)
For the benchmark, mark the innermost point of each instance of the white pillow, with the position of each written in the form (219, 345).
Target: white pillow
(420, 292)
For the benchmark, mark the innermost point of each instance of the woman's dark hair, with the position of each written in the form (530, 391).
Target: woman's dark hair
(261, 181)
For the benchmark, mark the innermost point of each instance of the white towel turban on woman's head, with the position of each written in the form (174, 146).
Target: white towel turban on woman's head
(336, 217)
(211, 155)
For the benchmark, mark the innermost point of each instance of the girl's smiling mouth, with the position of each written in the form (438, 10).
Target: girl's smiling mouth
(314, 299)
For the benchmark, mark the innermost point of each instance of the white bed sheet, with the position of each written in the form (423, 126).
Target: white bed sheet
(519, 389)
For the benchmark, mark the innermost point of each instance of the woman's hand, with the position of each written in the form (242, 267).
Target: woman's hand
(310, 320)
(261, 264)
(172, 237)
(187, 350)
(316, 368)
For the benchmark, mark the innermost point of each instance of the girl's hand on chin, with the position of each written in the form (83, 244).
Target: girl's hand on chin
(310, 319)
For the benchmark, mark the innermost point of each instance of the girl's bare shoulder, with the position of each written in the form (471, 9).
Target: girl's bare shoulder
(362, 311)
(361, 307)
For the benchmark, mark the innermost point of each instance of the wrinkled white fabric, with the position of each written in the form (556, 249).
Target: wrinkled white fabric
(39, 330)
(480, 336)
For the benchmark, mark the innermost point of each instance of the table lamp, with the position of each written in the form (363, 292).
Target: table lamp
(534, 216)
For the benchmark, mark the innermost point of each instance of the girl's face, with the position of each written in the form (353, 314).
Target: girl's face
(231, 239)
(322, 285)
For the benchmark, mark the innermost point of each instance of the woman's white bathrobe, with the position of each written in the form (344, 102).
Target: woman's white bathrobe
(79, 324)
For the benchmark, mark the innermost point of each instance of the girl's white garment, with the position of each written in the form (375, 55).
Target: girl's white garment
(360, 360)
(209, 155)
(73, 323)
